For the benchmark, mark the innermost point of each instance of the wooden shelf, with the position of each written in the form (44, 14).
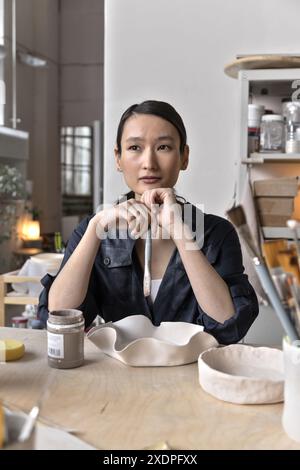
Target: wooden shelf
(277, 232)
(259, 158)
(12, 297)
(21, 299)
(14, 277)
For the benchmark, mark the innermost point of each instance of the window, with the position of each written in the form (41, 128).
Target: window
(77, 170)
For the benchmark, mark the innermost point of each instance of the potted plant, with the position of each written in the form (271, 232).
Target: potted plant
(12, 193)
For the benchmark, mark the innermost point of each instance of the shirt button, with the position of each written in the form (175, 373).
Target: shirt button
(106, 261)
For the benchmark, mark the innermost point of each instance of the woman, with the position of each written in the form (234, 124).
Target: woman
(198, 277)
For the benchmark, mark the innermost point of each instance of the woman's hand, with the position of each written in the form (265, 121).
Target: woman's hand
(164, 208)
(130, 214)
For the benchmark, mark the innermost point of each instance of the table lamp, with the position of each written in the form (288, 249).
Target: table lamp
(30, 234)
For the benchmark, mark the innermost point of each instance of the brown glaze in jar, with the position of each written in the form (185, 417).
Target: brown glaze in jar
(65, 338)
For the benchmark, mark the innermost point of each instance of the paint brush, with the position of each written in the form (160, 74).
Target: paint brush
(32, 417)
(294, 292)
(237, 216)
(293, 225)
(147, 268)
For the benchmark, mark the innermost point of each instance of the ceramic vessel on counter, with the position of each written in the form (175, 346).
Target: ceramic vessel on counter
(291, 409)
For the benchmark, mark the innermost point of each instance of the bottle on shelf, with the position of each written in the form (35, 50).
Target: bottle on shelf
(272, 133)
(255, 112)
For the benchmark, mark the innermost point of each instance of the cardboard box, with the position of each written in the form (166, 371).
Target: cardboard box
(273, 220)
(284, 187)
(275, 205)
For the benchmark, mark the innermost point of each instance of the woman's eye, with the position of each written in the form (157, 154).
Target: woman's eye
(134, 148)
(164, 147)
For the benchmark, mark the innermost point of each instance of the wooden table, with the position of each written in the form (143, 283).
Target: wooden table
(121, 407)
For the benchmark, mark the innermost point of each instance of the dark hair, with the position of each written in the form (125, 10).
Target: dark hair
(157, 108)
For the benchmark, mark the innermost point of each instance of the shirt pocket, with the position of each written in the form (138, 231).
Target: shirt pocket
(117, 268)
(115, 258)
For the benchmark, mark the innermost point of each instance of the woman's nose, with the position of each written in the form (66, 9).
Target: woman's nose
(149, 160)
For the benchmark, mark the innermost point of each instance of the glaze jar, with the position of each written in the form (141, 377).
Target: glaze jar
(65, 338)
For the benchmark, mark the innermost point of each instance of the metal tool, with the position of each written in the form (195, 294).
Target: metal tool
(238, 218)
(293, 225)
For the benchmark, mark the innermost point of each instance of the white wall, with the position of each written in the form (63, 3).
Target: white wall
(175, 50)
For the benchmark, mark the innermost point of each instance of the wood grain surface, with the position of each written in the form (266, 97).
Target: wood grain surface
(115, 406)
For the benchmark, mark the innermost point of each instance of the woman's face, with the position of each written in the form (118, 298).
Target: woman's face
(150, 156)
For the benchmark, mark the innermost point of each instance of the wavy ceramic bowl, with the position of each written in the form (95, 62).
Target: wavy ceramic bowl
(50, 260)
(242, 374)
(135, 341)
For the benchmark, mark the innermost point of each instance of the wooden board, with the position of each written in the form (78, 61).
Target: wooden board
(261, 62)
(115, 406)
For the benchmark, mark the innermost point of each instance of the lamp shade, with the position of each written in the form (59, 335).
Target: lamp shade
(31, 230)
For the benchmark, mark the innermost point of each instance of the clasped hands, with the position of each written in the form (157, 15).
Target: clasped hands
(157, 207)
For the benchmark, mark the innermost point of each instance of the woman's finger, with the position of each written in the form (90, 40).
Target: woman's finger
(143, 209)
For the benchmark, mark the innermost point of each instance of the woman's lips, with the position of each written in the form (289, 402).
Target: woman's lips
(150, 180)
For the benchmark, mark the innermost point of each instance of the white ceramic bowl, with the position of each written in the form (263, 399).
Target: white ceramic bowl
(48, 258)
(242, 374)
(135, 341)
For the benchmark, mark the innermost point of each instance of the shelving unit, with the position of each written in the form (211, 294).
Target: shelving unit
(260, 157)
(268, 87)
(14, 298)
(276, 232)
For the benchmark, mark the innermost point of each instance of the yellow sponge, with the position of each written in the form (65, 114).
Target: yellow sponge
(2, 423)
(11, 350)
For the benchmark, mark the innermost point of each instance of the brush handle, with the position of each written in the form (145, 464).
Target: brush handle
(147, 268)
(296, 240)
(29, 424)
(268, 286)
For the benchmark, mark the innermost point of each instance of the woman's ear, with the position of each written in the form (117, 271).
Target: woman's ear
(185, 158)
(117, 158)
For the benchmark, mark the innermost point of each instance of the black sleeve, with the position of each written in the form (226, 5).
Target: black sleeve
(229, 265)
(90, 306)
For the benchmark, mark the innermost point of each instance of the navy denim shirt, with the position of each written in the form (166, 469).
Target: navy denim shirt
(116, 282)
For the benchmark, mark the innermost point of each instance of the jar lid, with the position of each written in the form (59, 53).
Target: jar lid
(19, 320)
(272, 117)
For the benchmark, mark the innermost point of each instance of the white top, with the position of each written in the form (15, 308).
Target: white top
(155, 283)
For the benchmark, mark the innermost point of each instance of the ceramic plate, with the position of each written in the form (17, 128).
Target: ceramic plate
(135, 341)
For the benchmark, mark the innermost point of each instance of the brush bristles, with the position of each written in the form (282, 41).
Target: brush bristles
(236, 215)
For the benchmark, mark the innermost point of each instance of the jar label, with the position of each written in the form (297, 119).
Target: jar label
(55, 345)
